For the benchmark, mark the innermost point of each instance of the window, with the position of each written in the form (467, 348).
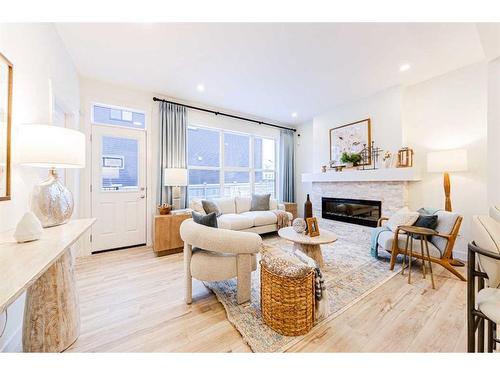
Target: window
(223, 163)
(103, 114)
(119, 164)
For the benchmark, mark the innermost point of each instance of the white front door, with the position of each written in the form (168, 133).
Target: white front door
(118, 187)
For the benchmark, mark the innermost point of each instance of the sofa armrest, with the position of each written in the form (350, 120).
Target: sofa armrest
(220, 240)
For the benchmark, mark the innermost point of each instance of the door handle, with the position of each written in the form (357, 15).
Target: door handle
(142, 196)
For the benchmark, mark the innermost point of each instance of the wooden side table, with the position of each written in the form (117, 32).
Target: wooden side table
(423, 234)
(166, 235)
(292, 208)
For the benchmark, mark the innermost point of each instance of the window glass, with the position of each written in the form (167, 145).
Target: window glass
(104, 115)
(236, 150)
(119, 163)
(264, 153)
(203, 147)
(203, 183)
(237, 184)
(265, 182)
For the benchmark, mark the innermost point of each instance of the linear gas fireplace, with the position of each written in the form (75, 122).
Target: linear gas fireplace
(355, 211)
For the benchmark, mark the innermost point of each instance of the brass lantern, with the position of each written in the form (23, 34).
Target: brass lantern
(405, 157)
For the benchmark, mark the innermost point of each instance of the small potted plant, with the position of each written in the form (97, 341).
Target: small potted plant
(350, 159)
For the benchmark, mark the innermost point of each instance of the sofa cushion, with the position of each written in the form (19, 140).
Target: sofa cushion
(211, 207)
(235, 221)
(226, 205)
(243, 204)
(273, 204)
(486, 235)
(260, 202)
(260, 218)
(385, 241)
(446, 222)
(209, 220)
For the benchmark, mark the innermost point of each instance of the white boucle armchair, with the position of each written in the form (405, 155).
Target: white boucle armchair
(212, 254)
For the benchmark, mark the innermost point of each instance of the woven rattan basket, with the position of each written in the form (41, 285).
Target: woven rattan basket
(287, 303)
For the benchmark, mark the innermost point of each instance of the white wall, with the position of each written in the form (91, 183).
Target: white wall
(384, 109)
(444, 113)
(42, 70)
(303, 163)
(494, 132)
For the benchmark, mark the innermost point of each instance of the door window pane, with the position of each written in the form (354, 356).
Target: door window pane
(105, 115)
(236, 150)
(237, 184)
(203, 147)
(203, 184)
(119, 164)
(265, 182)
(264, 153)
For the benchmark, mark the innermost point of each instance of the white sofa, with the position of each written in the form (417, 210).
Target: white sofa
(236, 214)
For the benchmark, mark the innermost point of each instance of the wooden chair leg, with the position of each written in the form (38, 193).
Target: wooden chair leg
(452, 269)
(490, 336)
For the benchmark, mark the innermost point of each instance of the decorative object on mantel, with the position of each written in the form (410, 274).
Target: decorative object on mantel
(349, 138)
(28, 229)
(339, 168)
(370, 153)
(52, 147)
(164, 209)
(445, 162)
(405, 157)
(6, 72)
(387, 159)
(312, 227)
(351, 159)
(299, 225)
(323, 168)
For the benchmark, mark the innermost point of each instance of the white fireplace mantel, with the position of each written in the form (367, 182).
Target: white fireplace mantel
(373, 175)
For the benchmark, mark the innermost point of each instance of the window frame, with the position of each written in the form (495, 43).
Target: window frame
(251, 162)
(121, 108)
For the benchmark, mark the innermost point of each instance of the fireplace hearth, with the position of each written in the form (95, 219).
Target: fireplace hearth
(355, 211)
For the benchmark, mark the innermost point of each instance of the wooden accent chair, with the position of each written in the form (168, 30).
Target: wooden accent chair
(214, 254)
(483, 296)
(440, 245)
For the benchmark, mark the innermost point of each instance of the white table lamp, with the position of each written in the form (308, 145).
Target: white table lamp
(445, 162)
(175, 177)
(52, 147)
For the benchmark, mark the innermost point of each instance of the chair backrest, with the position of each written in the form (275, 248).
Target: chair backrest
(486, 235)
(219, 240)
(495, 213)
(448, 223)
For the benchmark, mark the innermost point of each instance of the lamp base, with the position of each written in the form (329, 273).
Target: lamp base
(51, 201)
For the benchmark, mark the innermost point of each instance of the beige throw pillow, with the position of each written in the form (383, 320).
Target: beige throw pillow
(402, 217)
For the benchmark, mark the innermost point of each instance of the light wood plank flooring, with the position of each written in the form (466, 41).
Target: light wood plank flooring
(132, 301)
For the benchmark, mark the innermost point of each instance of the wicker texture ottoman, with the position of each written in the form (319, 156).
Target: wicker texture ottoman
(287, 296)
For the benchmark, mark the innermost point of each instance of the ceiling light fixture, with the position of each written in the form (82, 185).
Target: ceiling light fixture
(200, 87)
(294, 114)
(404, 67)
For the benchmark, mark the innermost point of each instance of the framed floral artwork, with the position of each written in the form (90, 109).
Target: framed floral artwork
(350, 138)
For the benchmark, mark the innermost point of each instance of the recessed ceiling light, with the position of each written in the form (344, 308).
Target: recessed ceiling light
(294, 114)
(200, 87)
(404, 67)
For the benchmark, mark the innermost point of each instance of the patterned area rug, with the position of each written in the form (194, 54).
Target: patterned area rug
(350, 273)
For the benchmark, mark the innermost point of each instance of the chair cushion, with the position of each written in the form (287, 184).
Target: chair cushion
(486, 235)
(402, 217)
(226, 205)
(495, 213)
(488, 301)
(260, 218)
(385, 241)
(243, 204)
(446, 222)
(209, 220)
(235, 221)
(213, 266)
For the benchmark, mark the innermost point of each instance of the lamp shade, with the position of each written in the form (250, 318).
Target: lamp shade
(48, 146)
(447, 161)
(175, 177)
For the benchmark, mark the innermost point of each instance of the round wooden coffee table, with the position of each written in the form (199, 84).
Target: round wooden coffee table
(311, 246)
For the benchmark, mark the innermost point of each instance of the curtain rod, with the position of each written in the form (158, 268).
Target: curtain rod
(155, 99)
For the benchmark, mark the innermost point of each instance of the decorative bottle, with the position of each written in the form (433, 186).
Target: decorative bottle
(308, 208)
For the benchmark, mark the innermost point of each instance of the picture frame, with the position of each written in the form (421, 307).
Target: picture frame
(312, 227)
(6, 77)
(350, 138)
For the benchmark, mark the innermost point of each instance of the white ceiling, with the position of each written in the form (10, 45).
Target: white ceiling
(271, 70)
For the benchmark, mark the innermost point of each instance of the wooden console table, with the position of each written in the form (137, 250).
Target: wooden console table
(44, 270)
(166, 233)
